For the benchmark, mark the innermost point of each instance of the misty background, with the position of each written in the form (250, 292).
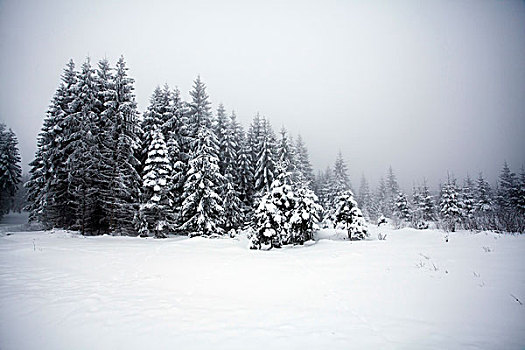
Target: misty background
(423, 86)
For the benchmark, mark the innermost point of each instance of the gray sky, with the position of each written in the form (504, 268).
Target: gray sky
(426, 86)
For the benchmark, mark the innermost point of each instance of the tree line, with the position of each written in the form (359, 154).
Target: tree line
(181, 168)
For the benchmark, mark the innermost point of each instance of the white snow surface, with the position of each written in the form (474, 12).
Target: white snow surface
(59, 290)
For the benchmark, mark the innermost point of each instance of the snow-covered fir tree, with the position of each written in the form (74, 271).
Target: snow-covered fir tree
(466, 200)
(483, 195)
(202, 206)
(348, 216)
(220, 127)
(265, 171)
(392, 191)
(253, 140)
(521, 192)
(245, 173)
(416, 212)
(123, 194)
(341, 180)
(303, 166)
(508, 216)
(449, 205)
(401, 209)
(507, 190)
(85, 161)
(428, 206)
(304, 216)
(271, 218)
(48, 198)
(10, 171)
(364, 198)
(286, 155)
(156, 216)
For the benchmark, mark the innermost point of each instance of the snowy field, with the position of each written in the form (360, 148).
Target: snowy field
(59, 290)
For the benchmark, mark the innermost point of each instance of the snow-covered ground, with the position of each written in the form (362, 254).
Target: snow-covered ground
(59, 290)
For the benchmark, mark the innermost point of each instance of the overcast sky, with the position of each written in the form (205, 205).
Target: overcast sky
(426, 86)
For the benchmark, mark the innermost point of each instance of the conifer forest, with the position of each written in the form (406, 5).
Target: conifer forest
(183, 168)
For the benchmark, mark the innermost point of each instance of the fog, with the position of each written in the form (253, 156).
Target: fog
(427, 87)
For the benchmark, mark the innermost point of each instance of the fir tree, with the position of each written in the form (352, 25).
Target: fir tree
(265, 171)
(304, 216)
(349, 217)
(364, 198)
(285, 154)
(302, 163)
(401, 209)
(427, 205)
(84, 162)
(10, 171)
(483, 199)
(202, 206)
(124, 179)
(341, 179)
(272, 216)
(48, 199)
(392, 191)
(467, 204)
(220, 127)
(449, 205)
(156, 215)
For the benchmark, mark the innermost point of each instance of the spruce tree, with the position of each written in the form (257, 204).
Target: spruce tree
(48, 199)
(156, 198)
(364, 198)
(467, 204)
(202, 206)
(265, 171)
(401, 209)
(83, 164)
(304, 216)
(286, 155)
(125, 181)
(220, 127)
(302, 163)
(10, 171)
(428, 207)
(271, 218)
(392, 191)
(449, 205)
(348, 216)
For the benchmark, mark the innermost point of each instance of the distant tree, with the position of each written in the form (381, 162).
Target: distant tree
(401, 209)
(508, 216)
(221, 125)
(483, 197)
(449, 205)
(382, 198)
(466, 201)
(341, 178)
(286, 155)
(364, 198)
(302, 163)
(10, 171)
(265, 171)
(416, 212)
(392, 191)
(521, 193)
